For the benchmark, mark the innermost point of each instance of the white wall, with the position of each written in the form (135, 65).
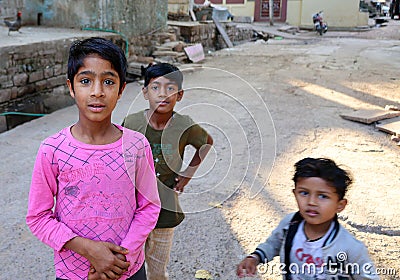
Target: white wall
(337, 13)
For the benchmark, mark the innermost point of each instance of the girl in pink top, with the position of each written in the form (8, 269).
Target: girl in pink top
(93, 195)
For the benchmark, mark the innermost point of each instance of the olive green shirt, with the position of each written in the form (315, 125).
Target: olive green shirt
(168, 146)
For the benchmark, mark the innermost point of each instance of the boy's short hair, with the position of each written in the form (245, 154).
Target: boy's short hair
(106, 49)
(167, 70)
(325, 169)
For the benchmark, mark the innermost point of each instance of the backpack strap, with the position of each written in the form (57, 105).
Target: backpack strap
(293, 226)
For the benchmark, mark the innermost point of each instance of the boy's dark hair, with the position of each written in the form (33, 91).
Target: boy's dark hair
(325, 169)
(106, 49)
(167, 70)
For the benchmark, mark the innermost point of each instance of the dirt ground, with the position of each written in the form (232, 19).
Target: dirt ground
(305, 84)
(267, 105)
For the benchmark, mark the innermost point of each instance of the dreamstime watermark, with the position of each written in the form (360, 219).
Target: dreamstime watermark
(334, 266)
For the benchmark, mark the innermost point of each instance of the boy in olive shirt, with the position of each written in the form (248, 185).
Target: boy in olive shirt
(168, 134)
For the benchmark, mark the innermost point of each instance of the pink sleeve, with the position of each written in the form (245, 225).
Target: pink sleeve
(40, 217)
(148, 203)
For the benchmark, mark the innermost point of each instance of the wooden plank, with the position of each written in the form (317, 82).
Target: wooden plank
(242, 19)
(221, 31)
(192, 15)
(135, 68)
(195, 53)
(370, 116)
(390, 127)
(166, 53)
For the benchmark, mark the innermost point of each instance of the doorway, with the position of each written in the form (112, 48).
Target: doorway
(261, 11)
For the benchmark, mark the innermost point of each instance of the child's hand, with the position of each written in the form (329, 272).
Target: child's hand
(181, 182)
(247, 267)
(107, 261)
(93, 275)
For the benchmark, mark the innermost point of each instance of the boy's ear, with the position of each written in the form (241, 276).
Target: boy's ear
(180, 95)
(71, 91)
(145, 93)
(341, 205)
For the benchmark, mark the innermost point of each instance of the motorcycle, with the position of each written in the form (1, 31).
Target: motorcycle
(319, 25)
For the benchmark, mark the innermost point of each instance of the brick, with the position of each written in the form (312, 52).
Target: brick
(60, 90)
(25, 90)
(12, 71)
(14, 92)
(8, 83)
(21, 55)
(46, 62)
(59, 70)
(20, 79)
(48, 72)
(35, 76)
(41, 85)
(3, 79)
(3, 124)
(5, 95)
(172, 37)
(57, 81)
(59, 57)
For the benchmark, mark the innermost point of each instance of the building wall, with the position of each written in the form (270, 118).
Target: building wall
(338, 13)
(9, 8)
(294, 8)
(242, 10)
(130, 17)
(235, 7)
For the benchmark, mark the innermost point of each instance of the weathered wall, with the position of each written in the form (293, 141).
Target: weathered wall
(33, 79)
(9, 8)
(130, 17)
(135, 20)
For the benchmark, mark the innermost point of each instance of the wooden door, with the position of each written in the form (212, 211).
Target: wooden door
(261, 11)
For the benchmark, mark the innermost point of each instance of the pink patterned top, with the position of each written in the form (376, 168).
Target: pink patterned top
(102, 192)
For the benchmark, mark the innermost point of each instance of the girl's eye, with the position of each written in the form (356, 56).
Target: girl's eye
(171, 89)
(155, 88)
(85, 81)
(323, 196)
(109, 82)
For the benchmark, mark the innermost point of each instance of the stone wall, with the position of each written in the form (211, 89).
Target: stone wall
(208, 36)
(133, 20)
(33, 80)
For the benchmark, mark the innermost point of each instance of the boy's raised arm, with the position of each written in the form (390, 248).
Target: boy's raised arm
(183, 179)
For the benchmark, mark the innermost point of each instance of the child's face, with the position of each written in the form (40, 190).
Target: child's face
(96, 89)
(162, 94)
(318, 202)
